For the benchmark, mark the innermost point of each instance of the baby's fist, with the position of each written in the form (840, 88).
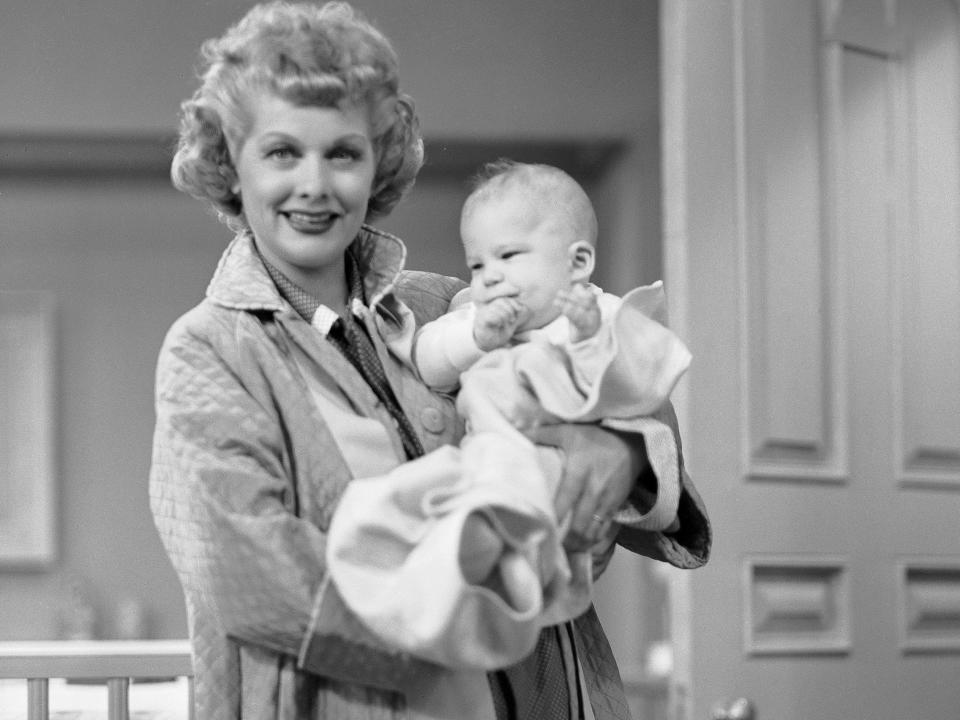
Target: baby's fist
(579, 304)
(495, 323)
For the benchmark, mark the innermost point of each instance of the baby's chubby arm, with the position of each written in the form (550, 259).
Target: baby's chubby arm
(444, 347)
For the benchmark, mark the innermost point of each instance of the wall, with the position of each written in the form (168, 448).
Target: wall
(122, 260)
(494, 68)
(124, 256)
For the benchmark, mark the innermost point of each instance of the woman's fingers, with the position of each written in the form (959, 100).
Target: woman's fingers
(600, 468)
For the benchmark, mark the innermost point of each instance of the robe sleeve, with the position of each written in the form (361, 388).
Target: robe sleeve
(227, 513)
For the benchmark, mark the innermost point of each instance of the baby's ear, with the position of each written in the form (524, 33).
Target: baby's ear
(582, 260)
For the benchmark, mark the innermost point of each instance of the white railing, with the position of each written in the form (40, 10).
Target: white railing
(115, 662)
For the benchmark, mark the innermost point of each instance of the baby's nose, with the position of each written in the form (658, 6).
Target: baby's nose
(491, 275)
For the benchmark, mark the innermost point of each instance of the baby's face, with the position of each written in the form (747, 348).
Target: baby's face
(511, 252)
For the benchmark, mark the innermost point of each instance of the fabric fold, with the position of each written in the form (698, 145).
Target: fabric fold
(396, 549)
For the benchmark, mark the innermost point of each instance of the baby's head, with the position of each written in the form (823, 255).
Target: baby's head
(528, 232)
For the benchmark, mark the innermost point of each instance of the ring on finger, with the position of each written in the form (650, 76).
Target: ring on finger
(600, 524)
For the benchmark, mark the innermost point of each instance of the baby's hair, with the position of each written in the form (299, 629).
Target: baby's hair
(547, 189)
(309, 55)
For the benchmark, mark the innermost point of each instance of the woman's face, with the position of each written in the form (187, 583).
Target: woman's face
(304, 175)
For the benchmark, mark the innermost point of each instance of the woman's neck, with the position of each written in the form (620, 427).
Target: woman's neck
(328, 285)
(331, 287)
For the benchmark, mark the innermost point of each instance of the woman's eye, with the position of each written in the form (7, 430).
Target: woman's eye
(280, 153)
(346, 153)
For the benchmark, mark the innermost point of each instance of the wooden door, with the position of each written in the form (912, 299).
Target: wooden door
(812, 251)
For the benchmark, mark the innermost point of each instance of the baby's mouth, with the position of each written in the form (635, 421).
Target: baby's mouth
(498, 293)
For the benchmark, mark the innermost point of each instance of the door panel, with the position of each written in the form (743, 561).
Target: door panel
(812, 218)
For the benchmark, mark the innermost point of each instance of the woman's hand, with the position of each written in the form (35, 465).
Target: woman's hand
(600, 469)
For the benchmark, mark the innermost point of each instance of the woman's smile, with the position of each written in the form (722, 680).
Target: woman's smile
(310, 223)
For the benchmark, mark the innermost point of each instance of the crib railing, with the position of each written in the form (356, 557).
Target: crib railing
(116, 662)
(113, 661)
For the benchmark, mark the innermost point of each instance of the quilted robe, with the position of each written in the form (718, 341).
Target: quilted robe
(245, 479)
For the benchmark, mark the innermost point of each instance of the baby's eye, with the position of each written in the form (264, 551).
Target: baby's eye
(507, 254)
(475, 267)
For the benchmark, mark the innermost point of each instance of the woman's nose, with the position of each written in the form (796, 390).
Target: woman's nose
(313, 179)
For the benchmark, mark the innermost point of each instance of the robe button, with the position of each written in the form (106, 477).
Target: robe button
(432, 420)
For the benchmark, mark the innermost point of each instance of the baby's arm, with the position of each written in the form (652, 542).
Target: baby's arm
(579, 304)
(445, 347)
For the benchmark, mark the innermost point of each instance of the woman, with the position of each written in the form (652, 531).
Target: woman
(281, 387)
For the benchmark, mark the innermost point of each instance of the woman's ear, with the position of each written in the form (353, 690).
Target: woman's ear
(234, 179)
(582, 260)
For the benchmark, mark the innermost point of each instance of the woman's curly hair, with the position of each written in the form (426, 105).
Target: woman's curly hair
(309, 55)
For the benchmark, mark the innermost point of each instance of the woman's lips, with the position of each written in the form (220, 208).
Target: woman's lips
(310, 222)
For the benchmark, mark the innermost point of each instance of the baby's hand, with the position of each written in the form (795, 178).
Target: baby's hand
(580, 306)
(495, 323)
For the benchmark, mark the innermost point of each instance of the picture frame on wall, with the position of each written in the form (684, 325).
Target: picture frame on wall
(28, 536)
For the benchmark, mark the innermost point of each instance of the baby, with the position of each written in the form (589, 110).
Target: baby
(529, 233)
(481, 531)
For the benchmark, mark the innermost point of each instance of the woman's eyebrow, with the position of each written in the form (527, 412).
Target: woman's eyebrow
(275, 135)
